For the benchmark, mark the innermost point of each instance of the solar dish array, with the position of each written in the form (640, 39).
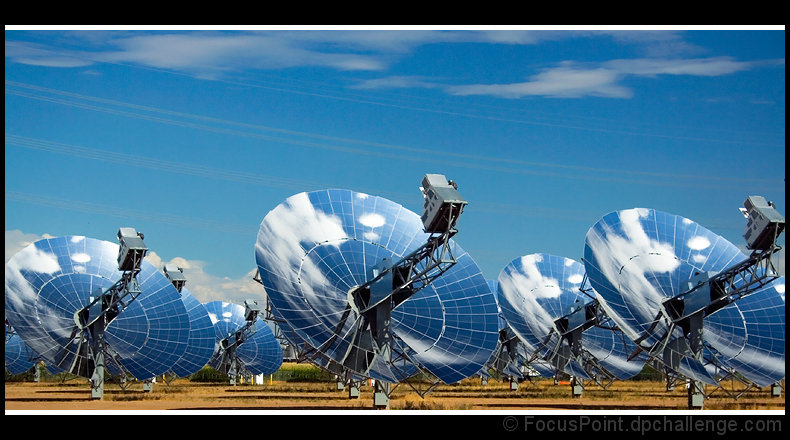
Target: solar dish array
(316, 247)
(49, 281)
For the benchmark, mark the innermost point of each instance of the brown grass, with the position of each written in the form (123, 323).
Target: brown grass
(468, 395)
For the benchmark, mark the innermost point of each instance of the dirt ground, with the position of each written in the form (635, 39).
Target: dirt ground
(305, 396)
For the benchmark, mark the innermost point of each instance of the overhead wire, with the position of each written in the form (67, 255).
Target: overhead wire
(416, 154)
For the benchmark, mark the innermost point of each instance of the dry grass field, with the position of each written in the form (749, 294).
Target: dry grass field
(470, 394)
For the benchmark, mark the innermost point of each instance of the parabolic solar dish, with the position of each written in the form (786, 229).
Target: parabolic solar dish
(50, 280)
(535, 290)
(260, 352)
(637, 258)
(200, 344)
(315, 248)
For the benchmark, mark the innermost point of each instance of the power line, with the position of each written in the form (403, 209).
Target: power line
(414, 154)
(121, 212)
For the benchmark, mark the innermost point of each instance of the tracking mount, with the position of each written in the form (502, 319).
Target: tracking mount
(390, 283)
(91, 321)
(707, 292)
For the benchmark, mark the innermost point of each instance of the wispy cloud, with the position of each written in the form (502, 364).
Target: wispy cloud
(560, 82)
(200, 53)
(715, 66)
(206, 287)
(212, 54)
(570, 80)
(40, 55)
(222, 52)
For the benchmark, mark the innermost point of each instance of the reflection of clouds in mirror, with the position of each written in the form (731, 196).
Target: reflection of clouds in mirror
(372, 220)
(300, 244)
(633, 274)
(531, 296)
(531, 321)
(576, 278)
(423, 346)
(629, 259)
(19, 293)
(534, 281)
(204, 285)
(45, 288)
(284, 232)
(536, 290)
(81, 257)
(34, 259)
(309, 272)
(698, 243)
(260, 352)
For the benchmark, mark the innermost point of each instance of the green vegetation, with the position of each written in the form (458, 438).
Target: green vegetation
(649, 373)
(45, 376)
(27, 376)
(290, 372)
(208, 374)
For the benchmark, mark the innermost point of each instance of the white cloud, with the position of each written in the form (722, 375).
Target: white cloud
(561, 82)
(206, 287)
(660, 66)
(16, 240)
(220, 52)
(212, 53)
(571, 81)
(207, 54)
(38, 55)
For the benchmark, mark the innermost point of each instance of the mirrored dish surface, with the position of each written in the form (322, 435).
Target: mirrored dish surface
(637, 258)
(535, 290)
(303, 352)
(316, 247)
(200, 344)
(50, 280)
(260, 352)
(18, 357)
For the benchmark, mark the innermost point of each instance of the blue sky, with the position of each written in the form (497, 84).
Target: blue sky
(192, 135)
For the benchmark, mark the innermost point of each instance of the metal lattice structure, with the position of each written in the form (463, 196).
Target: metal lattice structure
(368, 289)
(85, 305)
(689, 298)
